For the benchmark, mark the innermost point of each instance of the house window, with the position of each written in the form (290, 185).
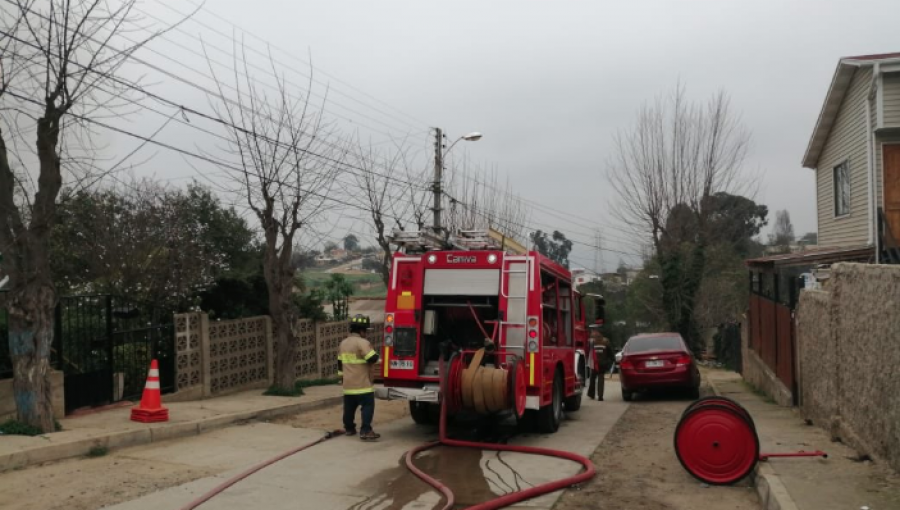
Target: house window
(842, 189)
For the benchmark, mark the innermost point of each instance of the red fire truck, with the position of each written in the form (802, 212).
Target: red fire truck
(483, 291)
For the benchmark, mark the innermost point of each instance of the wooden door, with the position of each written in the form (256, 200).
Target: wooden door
(891, 159)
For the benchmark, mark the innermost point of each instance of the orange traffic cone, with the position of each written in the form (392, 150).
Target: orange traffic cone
(151, 408)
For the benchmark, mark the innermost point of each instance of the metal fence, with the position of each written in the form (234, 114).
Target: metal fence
(773, 298)
(104, 344)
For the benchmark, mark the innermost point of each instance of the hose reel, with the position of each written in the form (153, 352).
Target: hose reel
(485, 389)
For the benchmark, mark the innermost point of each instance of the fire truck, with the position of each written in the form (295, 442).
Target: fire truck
(507, 322)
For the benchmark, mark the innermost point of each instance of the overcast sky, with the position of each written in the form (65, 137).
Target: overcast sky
(550, 83)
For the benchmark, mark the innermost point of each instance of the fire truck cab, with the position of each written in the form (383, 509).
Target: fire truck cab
(482, 290)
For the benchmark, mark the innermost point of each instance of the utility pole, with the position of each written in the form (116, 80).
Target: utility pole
(438, 175)
(598, 254)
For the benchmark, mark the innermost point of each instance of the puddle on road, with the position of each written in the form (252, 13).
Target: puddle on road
(473, 476)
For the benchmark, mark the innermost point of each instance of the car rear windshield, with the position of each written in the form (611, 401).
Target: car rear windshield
(654, 343)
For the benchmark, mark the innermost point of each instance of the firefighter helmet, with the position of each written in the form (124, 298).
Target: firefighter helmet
(359, 322)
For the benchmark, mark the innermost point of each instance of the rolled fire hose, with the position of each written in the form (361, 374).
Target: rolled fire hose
(485, 389)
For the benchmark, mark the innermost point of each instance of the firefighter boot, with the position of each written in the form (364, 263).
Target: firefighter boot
(369, 436)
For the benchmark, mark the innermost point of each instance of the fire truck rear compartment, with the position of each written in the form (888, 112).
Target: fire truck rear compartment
(451, 320)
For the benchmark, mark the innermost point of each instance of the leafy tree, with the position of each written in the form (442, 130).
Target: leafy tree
(338, 290)
(556, 247)
(301, 260)
(371, 264)
(159, 245)
(351, 243)
(330, 246)
(737, 220)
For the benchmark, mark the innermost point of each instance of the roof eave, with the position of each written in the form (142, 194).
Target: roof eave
(815, 146)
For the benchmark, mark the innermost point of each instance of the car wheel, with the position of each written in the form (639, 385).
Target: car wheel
(694, 393)
(627, 395)
(550, 416)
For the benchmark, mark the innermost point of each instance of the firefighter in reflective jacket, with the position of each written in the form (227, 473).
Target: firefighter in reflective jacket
(356, 359)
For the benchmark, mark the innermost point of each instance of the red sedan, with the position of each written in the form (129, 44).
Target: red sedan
(658, 360)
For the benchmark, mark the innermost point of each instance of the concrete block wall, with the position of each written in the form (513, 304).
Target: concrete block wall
(849, 344)
(219, 357)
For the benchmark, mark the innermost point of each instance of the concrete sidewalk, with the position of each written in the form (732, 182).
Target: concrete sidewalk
(840, 482)
(114, 429)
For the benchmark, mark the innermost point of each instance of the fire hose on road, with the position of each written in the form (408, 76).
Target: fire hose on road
(481, 388)
(449, 392)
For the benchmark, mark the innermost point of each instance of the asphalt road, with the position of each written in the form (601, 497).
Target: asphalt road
(345, 473)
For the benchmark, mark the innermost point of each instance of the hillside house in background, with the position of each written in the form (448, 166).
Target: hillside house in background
(855, 151)
(583, 276)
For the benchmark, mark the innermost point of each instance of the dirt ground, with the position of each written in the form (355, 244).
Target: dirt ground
(638, 470)
(89, 484)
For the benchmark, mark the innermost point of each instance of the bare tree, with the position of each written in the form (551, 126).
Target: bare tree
(665, 170)
(58, 66)
(382, 191)
(287, 171)
(482, 203)
(782, 235)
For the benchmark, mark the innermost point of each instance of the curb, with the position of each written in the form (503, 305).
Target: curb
(123, 439)
(773, 495)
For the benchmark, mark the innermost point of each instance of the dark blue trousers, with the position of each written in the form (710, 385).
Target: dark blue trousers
(367, 402)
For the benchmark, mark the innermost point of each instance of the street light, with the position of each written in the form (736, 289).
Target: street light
(439, 154)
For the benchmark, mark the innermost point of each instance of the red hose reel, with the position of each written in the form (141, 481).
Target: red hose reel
(716, 441)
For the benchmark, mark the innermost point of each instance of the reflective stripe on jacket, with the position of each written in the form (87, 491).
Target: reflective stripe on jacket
(355, 360)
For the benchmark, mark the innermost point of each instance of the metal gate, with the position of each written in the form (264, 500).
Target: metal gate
(104, 345)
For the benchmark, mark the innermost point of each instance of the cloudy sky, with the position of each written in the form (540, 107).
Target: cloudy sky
(548, 83)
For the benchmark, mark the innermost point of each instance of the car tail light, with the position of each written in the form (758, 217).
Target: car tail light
(626, 364)
(684, 360)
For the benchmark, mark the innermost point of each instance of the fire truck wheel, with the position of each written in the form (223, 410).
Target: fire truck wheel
(550, 416)
(573, 403)
(424, 413)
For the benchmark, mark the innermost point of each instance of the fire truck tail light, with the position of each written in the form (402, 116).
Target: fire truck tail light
(532, 334)
(389, 318)
(388, 329)
(532, 322)
(389, 341)
(532, 346)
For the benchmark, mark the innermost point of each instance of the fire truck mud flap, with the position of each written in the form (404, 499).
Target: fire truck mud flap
(412, 394)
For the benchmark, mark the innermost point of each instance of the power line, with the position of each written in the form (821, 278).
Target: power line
(215, 119)
(289, 55)
(209, 93)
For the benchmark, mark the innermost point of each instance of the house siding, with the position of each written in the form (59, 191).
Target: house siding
(846, 141)
(891, 100)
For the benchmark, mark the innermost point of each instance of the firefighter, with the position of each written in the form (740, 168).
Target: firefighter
(599, 361)
(356, 361)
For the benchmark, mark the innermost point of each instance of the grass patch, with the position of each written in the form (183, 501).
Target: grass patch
(98, 451)
(297, 390)
(277, 391)
(17, 428)
(319, 382)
